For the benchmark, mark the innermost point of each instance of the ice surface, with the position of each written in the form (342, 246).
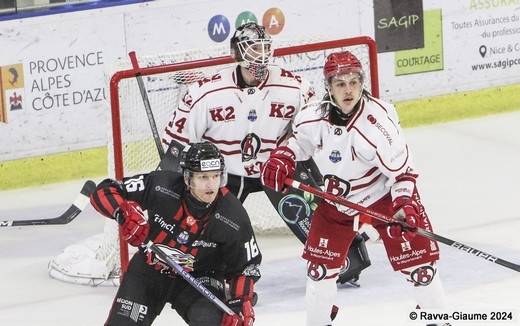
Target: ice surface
(469, 183)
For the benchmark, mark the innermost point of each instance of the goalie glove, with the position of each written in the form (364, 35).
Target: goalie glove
(278, 167)
(133, 224)
(244, 313)
(405, 210)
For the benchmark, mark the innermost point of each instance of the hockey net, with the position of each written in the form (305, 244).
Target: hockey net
(132, 147)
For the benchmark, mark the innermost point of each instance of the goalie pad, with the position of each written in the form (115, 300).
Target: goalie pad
(94, 261)
(357, 260)
(78, 264)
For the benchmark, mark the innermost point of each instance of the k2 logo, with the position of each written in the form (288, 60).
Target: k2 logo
(220, 114)
(279, 110)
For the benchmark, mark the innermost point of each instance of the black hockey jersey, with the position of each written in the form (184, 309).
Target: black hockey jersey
(221, 242)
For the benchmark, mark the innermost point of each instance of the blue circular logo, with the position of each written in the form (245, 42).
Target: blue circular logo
(219, 28)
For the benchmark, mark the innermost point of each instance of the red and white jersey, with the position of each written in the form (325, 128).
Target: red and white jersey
(245, 124)
(362, 161)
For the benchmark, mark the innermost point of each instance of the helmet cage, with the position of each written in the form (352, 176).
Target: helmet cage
(251, 47)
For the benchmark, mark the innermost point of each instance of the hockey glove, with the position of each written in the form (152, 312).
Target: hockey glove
(132, 221)
(244, 313)
(278, 167)
(406, 210)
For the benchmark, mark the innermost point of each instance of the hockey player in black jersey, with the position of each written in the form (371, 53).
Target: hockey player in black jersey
(200, 224)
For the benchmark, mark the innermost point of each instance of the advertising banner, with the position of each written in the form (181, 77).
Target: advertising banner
(53, 85)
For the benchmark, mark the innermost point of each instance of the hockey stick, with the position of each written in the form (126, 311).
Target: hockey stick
(189, 278)
(77, 207)
(146, 102)
(387, 219)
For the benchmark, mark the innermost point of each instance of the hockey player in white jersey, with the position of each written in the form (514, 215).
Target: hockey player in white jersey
(247, 111)
(358, 144)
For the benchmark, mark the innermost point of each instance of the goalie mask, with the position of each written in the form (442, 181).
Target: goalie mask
(251, 47)
(203, 157)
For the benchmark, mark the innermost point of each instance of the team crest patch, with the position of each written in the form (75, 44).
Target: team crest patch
(335, 156)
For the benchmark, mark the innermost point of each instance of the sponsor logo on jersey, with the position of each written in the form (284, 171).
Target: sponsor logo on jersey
(280, 110)
(381, 128)
(397, 155)
(167, 192)
(335, 156)
(227, 221)
(408, 257)
(219, 114)
(252, 116)
(202, 243)
(323, 242)
(163, 224)
(132, 310)
(405, 246)
(183, 237)
(322, 253)
(190, 220)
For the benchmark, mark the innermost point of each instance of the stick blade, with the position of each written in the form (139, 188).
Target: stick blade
(79, 204)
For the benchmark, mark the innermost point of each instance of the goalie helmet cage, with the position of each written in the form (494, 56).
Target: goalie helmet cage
(166, 76)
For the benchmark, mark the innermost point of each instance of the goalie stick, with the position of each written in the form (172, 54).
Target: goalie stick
(384, 218)
(70, 214)
(189, 278)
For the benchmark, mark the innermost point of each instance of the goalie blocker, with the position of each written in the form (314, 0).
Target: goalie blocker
(295, 207)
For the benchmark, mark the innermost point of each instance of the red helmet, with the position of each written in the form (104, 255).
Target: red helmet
(340, 63)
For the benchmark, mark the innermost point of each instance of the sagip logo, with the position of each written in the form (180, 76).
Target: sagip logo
(219, 27)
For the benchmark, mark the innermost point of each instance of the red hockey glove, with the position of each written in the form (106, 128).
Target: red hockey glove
(244, 313)
(132, 221)
(278, 167)
(406, 210)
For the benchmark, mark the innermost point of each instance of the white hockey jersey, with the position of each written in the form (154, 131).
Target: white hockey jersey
(245, 124)
(362, 161)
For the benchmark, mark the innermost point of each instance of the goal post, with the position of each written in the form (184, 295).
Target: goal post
(132, 149)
